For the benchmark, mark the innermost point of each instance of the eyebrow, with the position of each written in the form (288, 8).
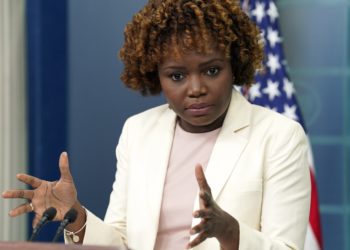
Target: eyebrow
(200, 65)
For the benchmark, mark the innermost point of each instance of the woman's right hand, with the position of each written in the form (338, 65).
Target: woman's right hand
(60, 194)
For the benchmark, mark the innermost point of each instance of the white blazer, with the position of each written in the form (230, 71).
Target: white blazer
(258, 172)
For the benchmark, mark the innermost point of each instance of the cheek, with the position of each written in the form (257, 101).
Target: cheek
(170, 96)
(224, 97)
(168, 92)
(224, 90)
(165, 89)
(172, 92)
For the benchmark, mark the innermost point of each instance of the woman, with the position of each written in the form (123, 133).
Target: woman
(255, 192)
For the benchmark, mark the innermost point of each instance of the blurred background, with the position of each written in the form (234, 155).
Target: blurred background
(60, 91)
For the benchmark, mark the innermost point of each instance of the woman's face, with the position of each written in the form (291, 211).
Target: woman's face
(198, 88)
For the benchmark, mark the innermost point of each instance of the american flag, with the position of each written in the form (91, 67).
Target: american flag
(274, 89)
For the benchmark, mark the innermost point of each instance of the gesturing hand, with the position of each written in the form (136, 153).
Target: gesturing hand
(215, 222)
(60, 194)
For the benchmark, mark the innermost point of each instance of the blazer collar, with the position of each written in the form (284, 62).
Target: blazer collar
(238, 114)
(228, 147)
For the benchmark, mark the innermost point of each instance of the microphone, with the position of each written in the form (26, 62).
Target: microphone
(69, 217)
(48, 215)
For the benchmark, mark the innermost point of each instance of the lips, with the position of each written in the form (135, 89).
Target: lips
(198, 109)
(198, 106)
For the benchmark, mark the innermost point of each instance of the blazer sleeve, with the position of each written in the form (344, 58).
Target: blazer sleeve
(112, 230)
(286, 195)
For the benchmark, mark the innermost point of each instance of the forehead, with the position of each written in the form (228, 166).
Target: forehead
(192, 60)
(176, 53)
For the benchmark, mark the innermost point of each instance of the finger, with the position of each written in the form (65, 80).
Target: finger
(199, 239)
(203, 213)
(201, 180)
(21, 209)
(30, 180)
(23, 194)
(64, 167)
(200, 228)
(206, 198)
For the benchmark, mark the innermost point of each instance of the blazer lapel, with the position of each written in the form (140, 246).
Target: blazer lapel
(156, 163)
(229, 145)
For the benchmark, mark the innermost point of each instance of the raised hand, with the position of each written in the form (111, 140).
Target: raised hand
(215, 222)
(60, 194)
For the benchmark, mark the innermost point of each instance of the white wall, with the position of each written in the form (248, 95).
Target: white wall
(12, 113)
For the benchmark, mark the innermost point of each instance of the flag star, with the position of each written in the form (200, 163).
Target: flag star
(271, 90)
(259, 11)
(290, 112)
(272, 12)
(288, 88)
(254, 92)
(272, 36)
(273, 63)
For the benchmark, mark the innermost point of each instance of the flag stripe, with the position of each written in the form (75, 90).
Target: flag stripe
(314, 211)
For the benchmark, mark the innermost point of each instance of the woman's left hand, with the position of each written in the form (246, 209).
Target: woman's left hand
(215, 222)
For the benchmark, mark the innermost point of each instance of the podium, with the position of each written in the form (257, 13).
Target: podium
(52, 246)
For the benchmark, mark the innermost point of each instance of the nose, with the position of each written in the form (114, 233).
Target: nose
(196, 86)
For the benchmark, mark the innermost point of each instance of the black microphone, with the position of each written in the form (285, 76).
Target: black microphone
(48, 215)
(69, 217)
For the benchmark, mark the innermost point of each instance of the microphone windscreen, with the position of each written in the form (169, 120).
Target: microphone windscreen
(50, 213)
(71, 215)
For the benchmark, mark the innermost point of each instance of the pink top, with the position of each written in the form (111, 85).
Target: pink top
(181, 187)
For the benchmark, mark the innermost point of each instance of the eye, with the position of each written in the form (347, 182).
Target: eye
(213, 71)
(177, 76)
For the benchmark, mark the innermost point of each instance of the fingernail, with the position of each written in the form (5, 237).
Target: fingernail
(192, 232)
(196, 215)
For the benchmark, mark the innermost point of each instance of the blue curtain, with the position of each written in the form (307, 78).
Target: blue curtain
(47, 91)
